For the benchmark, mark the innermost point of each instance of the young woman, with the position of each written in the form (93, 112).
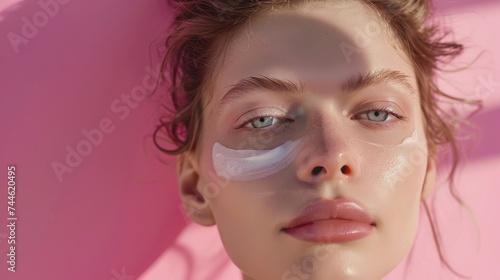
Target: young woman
(307, 131)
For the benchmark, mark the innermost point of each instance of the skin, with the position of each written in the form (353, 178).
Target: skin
(387, 178)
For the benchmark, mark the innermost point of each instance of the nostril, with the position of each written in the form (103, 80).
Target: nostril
(345, 170)
(316, 170)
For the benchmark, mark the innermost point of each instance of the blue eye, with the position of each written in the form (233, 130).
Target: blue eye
(262, 122)
(377, 115)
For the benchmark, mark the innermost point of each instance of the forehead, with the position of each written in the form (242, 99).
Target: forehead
(319, 44)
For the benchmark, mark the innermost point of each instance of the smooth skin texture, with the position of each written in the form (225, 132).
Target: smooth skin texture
(340, 123)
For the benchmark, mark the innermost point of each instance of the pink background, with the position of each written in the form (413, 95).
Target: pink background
(116, 215)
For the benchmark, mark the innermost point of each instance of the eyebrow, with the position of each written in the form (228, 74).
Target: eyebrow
(278, 86)
(385, 76)
(246, 85)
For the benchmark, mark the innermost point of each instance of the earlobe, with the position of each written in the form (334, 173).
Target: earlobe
(430, 179)
(196, 205)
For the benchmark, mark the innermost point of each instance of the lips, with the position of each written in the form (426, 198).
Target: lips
(331, 221)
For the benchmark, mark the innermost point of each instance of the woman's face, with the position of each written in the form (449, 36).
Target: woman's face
(322, 179)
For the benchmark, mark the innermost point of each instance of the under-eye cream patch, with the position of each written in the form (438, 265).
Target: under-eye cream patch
(411, 139)
(244, 165)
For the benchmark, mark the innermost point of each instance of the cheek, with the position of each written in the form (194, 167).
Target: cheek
(248, 229)
(395, 171)
(393, 178)
(246, 222)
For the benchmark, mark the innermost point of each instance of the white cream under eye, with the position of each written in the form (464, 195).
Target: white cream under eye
(245, 165)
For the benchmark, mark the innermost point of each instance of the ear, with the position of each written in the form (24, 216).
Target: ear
(196, 205)
(430, 178)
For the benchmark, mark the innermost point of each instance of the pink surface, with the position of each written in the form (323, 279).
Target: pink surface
(115, 213)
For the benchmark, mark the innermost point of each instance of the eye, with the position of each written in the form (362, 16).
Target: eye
(268, 120)
(377, 115)
(262, 122)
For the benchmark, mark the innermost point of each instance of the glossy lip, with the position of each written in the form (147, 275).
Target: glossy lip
(331, 221)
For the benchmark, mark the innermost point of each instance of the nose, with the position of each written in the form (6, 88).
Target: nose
(326, 154)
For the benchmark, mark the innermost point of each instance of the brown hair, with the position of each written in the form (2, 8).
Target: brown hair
(202, 30)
